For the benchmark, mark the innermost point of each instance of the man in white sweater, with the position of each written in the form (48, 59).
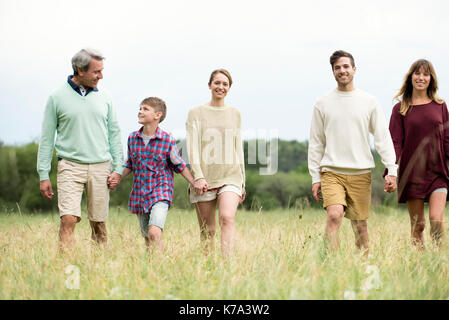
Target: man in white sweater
(339, 156)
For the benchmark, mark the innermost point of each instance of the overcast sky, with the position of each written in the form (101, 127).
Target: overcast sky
(276, 51)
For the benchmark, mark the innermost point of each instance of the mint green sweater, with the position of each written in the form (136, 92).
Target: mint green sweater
(87, 130)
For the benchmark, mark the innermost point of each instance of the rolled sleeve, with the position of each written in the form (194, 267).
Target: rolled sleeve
(176, 161)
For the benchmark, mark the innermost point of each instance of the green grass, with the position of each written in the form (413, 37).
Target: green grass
(278, 255)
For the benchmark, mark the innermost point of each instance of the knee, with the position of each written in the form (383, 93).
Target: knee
(334, 215)
(154, 234)
(68, 221)
(227, 219)
(154, 237)
(362, 227)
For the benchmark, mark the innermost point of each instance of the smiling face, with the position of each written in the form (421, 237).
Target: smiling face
(90, 78)
(343, 72)
(147, 115)
(421, 79)
(219, 86)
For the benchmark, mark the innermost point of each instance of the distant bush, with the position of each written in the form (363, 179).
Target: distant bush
(19, 181)
(290, 187)
(283, 190)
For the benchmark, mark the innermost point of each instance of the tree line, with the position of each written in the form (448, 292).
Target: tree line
(288, 187)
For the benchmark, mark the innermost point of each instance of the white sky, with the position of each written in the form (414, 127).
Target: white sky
(277, 52)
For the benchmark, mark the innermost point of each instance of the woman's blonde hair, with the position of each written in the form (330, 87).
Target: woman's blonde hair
(404, 96)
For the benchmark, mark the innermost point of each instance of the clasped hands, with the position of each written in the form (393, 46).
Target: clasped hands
(390, 184)
(201, 186)
(114, 180)
(47, 190)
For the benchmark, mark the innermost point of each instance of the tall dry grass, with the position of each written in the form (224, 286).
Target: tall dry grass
(278, 255)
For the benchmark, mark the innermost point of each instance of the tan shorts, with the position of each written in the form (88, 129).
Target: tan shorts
(351, 191)
(212, 195)
(72, 178)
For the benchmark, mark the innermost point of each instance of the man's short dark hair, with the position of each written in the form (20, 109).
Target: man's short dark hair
(341, 53)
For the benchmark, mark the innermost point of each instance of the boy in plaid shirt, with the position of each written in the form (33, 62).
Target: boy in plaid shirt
(152, 158)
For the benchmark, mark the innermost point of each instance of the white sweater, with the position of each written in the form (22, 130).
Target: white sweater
(339, 135)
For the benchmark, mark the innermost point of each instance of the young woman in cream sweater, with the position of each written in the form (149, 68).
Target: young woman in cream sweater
(215, 149)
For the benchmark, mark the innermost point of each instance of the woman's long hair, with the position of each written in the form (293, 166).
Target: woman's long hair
(405, 93)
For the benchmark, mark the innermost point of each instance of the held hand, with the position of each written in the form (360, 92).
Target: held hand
(46, 189)
(114, 180)
(316, 191)
(200, 186)
(390, 184)
(243, 195)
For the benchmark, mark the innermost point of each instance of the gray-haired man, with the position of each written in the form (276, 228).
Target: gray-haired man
(87, 144)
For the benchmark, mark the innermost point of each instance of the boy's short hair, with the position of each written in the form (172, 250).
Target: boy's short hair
(339, 54)
(157, 104)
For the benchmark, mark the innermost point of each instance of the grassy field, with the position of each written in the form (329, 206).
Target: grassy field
(279, 255)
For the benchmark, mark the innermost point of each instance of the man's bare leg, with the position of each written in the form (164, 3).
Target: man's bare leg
(360, 228)
(99, 234)
(66, 230)
(334, 218)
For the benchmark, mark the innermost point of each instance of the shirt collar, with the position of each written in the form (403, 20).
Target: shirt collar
(157, 135)
(76, 87)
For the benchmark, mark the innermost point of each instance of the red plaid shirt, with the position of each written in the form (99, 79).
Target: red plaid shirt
(152, 166)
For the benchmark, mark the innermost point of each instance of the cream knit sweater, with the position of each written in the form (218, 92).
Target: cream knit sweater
(339, 134)
(214, 145)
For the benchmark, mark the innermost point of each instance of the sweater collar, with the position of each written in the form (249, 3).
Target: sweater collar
(345, 93)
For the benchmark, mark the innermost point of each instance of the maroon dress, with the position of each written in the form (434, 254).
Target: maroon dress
(421, 142)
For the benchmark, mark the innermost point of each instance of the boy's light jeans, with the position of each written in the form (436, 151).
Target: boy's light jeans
(156, 217)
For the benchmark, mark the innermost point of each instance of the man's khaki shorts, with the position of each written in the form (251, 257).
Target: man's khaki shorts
(351, 191)
(72, 178)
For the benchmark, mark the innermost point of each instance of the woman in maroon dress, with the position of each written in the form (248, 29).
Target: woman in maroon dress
(420, 133)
